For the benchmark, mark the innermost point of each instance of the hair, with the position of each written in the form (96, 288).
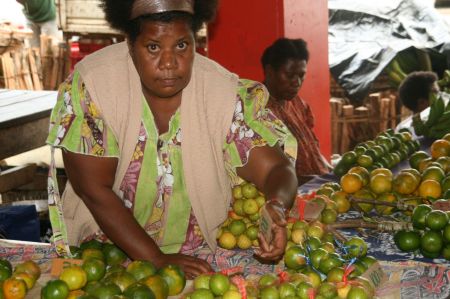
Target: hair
(118, 12)
(416, 86)
(284, 49)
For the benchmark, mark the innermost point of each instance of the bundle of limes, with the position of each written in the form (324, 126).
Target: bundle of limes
(242, 226)
(386, 150)
(102, 274)
(431, 235)
(16, 282)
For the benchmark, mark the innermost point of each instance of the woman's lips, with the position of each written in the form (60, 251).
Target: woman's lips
(167, 82)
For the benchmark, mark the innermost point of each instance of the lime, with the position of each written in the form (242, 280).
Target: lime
(267, 280)
(219, 284)
(407, 240)
(431, 242)
(436, 220)
(237, 192)
(249, 190)
(95, 269)
(304, 290)
(419, 215)
(237, 227)
(250, 207)
(55, 289)
(294, 258)
(141, 269)
(356, 247)
(202, 294)
(269, 293)
(202, 281)
(174, 277)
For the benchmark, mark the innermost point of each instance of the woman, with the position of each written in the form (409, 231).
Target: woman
(154, 136)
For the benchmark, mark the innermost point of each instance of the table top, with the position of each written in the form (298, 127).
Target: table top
(20, 106)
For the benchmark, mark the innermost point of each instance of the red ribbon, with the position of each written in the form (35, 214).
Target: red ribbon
(301, 203)
(311, 294)
(239, 281)
(283, 276)
(232, 270)
(349, 269)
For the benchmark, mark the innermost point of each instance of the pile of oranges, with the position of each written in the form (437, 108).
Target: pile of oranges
(16, 282)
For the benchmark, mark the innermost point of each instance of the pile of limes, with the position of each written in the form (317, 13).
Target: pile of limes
(102, 274)
(241, 228)
(334, 199)
(431, 235)
(210, 286)
(16, 282)
(386, 150)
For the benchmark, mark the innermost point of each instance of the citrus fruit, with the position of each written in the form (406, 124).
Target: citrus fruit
(414, 172)
(250, 206)
(416, 158)
(138, 291)
(314, 277)
(158, 286)
(351, 182)
(106, 290)
(286, 289)
(95, 269)
(113, 254)
(174, 277)
(121, 279)
(14, 288)
(365, 194)
(436, 220)
(446, 233)
(329, 262)
(77, 294)
(433, 173)
(304, 290)
(341, 200)
(267, 280)
(249, 190)
(91, 244)
(446, 252)
(219, 284)
(405, 183)
(327, 191)
(232, 294)
(419, 215)
(340, 169)
(244, 242)
(202, 294)
(29, 267)
(357, 292)
(380, 183)
(237, 227)
(386, 210)
(238, 207)
(431, 242)
(328, 216)
(5, 273)
(269, 293)
(328, 246)
(74, 276)
(294, 258)
(440, 148)
(237, 192)
(349, 158)
(300, 224)
(356, 247)
(26, 277)
(328, 290)
(95, 253)
(202, 281)
(445, 184)
(381, 170)
(75, 252)
(444, 162)
(55, 289)
(430, 188)
(407, 240)
(141, 269)
(252, 232)
(315, 231)
(316, 256)
(260, 200)
(6, 264)
(335, 275)
(227, 240)
(363, 173)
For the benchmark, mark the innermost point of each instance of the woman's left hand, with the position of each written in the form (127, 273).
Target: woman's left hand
(274, 250)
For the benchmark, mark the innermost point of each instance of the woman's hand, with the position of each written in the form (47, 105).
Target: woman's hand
(274, 250)
(191, 266)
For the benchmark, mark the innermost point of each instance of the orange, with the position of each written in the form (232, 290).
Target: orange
(357, 292)
(121, 279)
(414, 172)
(105, 290)
(305, 289)
(249, 190)
(356, 247)
(29, 267)
(237, 227)
(363, 173)
(219, 284)
(446, 137)
(433, 173)
(201, 294)
(75, 294)
(436, 220)
(431, 241)
(14, 288)
(202, 281)
(269, 293)
(294, 258)
(55, 289)
(440, 148)
(341, 200)
(95, 269)
(407, 240)
(74, 276)
(91, 244)
(26, 277)
(430, 188)
(141, 269)
(89, 253)
(365, 160)
(424, 164)
(237, 192)
(365, 194)
(113, 254)
(351, 182)
(158, 285)
(387, 172)
(444, 162)
(416, 158)
(445, 184)
(227, 240)
(174, 277)
(405, 183)
(385, 210)
(380, 183)
(138, 290)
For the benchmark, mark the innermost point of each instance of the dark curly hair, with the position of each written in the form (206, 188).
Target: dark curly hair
(416, 86)
(118, 12)
(284, 49)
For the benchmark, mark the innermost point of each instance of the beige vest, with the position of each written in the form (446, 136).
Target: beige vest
(207, 108)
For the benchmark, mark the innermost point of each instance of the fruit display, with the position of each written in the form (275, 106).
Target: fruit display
(438, 123)
(431, 234)
(386, 150)
(100, 271)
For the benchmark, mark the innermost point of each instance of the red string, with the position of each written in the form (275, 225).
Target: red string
(283, 276)
(311, 294)
(239, 281)
(232, 270)
(349, 269)
(301, 204)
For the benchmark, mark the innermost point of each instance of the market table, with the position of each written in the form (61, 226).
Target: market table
(24, 120)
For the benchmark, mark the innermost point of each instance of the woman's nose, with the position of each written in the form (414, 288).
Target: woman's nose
(167, 61)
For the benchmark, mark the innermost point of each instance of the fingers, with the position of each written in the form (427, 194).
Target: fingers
(275, 250)
(277, 214)
(191, 266)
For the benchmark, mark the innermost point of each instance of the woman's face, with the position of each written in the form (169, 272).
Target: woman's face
(163, 55)
(285, 82)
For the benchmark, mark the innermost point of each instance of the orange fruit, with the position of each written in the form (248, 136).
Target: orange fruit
(305, 289)
(26, 277)
(405, 183)
(444, 162)
(380, 183)
(74, 276)
(387, 172)
(363, 173)
(29, 267)
(90, 253)
(237, 192)
(55, 289)
(294, 258)
(430, 188)
(357, 292)
(14, 288)
(416, 158)
(201, 294)
(113, 254)
(121, 279)
(433, 173)
(249, 190)
(436, 220)
(424, 164)
(351, 182)
(385, 210)
(341, 200)
(158, 285)
(91, 244)
(95, 269)
(76, 294)
(141, 269)
(356, 247)
(431, 241)
(227, 240)
(174, 277)
(237, 227)
(365, 194)
(407, 240)
(219, 284)
(414, 172)
(105, 290)
(440, 148)
(138, 290)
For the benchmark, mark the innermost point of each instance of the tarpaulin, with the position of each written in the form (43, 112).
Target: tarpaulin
(364, 36)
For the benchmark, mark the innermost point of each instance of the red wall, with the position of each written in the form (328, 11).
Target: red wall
(243, 29)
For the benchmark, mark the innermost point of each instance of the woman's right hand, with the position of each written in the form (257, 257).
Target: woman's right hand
(191, 266)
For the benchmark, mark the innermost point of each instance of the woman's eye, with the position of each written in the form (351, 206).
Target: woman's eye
(152, 48)
(182, 45)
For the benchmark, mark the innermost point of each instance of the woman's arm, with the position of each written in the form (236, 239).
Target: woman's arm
(272, 173)
(92, 179)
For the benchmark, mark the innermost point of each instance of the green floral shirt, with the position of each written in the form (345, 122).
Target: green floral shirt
(153, 187)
